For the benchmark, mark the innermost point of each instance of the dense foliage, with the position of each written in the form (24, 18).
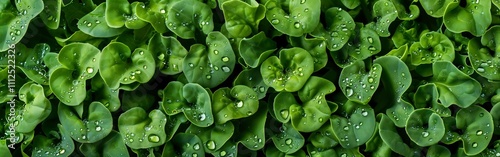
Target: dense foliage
(276, 78)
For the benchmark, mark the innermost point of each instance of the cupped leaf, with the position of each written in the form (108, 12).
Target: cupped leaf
(210, 66)
(29, 61)
(251, 130)
(79, 36)
(338, 29)
(242, 19)
(78, 64)
(187, 18)
(121, 66)
(323, 137)
(435, 8)
(364, 43)
(140, 130)
(239, 102)
(351, 4)
(16, 19)
(477, 126)
(384, 13)
(438, 151)
(495, 114)
(153, 12)
(427, 96)
(288, 140)
(454, 86)
(192, 99)
(484, 57)
(402, 10)
(290, 71)
(254, 50)
(357, 127)
(59, 144)
(94, 24)
(294, 17)
(357, 84)
(275, 152)
(4, 149)
(281, 106)
(315, 47)
(314, 111)
(389, 134)
(51, 13)
(170, 53)
(37, 107)
(475, 17)
(112, 145)
(187, 145)
(424, 127)
(213, 137)
(86, 129)
(252, 79)
(396, 79)
(407, 33)
(433, 46)
(121, 13)
(102, 93)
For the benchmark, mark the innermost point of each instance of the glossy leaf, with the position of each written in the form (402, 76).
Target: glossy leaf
(294, 17)
(357, 127)
(290, 71)
(254, 50)
(483, 55)
(252, 79)
(288, 140)
(424, 127)
(16, 19)
(474, 17)
(477, 127)
(357, 84)
(60, 145)
(251, 130)
(315, 47)
(37, 107)
(94, 24)
(187, 18)
(238, 102)
(140, 130)
(112, 145)
(433, 46)
(385, 13)
(78, 64)
(242, 19)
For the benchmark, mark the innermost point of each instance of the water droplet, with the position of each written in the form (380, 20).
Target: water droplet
(370, 39)
(145, 67)
(90, 70)
(262, 89)
(284, 113)
(154, 138)
(222, 153)
(196, 146)
(217, 52)
(371, 48)
(275, 21)
(162, 11)
(209, 77)
(480, 70)
(364, 113)
(474, 144)
(98, 128)
(211, 145)
(349, 92)
(226, 69)
(425, 134)
(296, 25)
(370, 79)
(288, 141)
(225, 59)
(302, 1)
(203, 117)
(239, 104)
(479, 132)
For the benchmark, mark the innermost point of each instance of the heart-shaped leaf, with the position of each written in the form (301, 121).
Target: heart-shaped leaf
(112, 145)
(483, 55)
(477, 127)
(59, 144)
(242, 19)
(433, 46)
(187, 18)
(253, 79)
(357, 84)
(86, 129)
(238, 102)
(37, 107)
(254, 50)
(140, 130)
(212, 137)
(475, 17)
(294, 17)
(357, 127)
(170, 53)
(424, 127)
(94, 24)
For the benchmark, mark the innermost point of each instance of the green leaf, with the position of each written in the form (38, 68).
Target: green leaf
(16, 19)
(4, 149)
(154, 13)
(86, 129)
(314, 111)
(102, 93)
(424, 127)
(338, 29)
(112, 145)
(364, 44)
(435, 8)
(187, 18)
(94, 24)
(290, 71)
(59, 144)
(192, 99)
(401, 7)
(210, 66)
(188, 144)
(293, 17)
(323, 137)
(475, 17)
(315, 47)
(454, 86)
(433, 46)
(483, 55)
(238, 102)
(37, 107)
(288, 140)
(391, 137)
(476, 125)
(384, 13)
(78, 64)
(51, 14)
(121, 66)
(254, 50)
(140, 130)
(251, 130)
(357, 84)
(438, 151)
(242, 19)
(427, 96)
(252, 79)
(170, 53)
(212, 137)
(356, 127)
